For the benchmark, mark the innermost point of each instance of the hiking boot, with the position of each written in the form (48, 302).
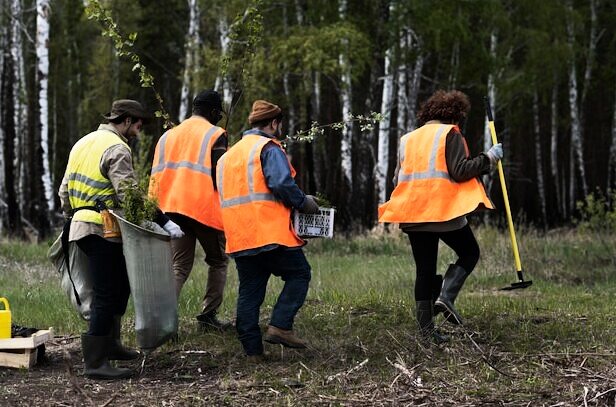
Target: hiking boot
(425, 319)
(452, 284)
(117, 351)
(283, 337)
(256, 359)
(95, 359)
(210, 321)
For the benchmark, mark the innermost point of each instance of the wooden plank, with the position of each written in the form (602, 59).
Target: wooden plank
(30, 342)
(24, 358)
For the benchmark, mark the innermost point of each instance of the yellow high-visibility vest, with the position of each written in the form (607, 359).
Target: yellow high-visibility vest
(86, 183)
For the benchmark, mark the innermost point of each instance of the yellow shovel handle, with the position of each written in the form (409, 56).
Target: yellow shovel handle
(501, 175)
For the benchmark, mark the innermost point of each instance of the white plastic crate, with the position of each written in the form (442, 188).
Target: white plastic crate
(318, 225)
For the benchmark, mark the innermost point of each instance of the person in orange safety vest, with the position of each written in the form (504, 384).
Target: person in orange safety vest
(437, 186)
(183, 180)
(258, 193)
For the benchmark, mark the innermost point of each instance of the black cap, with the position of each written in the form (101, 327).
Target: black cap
(208, 98)
(126, 108)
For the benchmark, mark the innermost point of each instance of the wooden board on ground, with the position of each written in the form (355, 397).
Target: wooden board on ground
(23, 352)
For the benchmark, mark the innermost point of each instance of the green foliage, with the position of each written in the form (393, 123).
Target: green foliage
(137, 206)
(598, 213)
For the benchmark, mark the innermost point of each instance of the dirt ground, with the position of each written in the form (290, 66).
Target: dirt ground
(187, 378)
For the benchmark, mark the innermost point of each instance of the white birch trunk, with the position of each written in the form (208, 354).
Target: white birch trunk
(285, 82)
(20, 111)
(402, 101)
(487, 136)
(192, 40)
(223, 37)
(577, 141)
(387, 99)
(346, 98)
(42, 55)
(554, 148)
(3, 35)
(414, 88)
(538, 160)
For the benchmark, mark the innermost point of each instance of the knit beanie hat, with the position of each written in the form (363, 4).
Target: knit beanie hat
(263, 110)
(208, 98)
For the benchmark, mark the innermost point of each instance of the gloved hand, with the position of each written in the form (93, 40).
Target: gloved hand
(495, 153)
(310, 205)
(173, 229)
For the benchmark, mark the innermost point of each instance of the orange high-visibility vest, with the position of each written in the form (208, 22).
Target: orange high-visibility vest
(425, 191)
(181, 176)
(251, 215)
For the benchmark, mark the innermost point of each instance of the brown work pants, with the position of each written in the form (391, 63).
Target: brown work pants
(213, 243)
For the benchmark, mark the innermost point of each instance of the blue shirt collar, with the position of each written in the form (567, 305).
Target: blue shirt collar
(259, 132)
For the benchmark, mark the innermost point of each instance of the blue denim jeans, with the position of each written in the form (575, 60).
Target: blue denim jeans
(254, 273)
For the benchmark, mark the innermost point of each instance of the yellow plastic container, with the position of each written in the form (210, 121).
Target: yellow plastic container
(5, 319)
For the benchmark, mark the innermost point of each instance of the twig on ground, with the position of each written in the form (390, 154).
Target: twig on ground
(72, 378)
(347, 372)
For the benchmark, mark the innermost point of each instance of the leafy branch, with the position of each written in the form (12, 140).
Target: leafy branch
(366, 123)
(123, 46)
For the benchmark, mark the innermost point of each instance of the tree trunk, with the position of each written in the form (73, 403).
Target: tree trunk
(560, 203)
(538, 159)
(415, 85)
(346, 101)
(42, 53)
(223, 37)
(192, 42)
(382, 168)
(487, 136)
(577, 140)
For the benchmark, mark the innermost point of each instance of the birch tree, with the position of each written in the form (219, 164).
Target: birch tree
(193, 40)
(491, 86)
(554, 162)
(538, 159)
(577, 141)
(346, 101)
(382, 167)
(42, 56)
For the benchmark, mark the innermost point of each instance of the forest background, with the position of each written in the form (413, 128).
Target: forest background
(546, 67)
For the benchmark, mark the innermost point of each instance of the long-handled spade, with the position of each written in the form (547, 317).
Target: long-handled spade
(521, 283)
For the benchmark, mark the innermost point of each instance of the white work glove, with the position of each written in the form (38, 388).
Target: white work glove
(173, 229)
(310, 205)
(495, 153)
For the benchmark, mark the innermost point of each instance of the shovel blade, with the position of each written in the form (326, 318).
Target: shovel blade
(518, 285)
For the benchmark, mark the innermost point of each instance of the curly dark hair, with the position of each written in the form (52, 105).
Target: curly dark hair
(447, 107)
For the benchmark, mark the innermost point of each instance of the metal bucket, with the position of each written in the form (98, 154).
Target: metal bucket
(149, 265)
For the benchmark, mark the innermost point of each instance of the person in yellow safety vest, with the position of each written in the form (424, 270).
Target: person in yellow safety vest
(257, 194)
(99, 170)
(437, 185)
(184, 182)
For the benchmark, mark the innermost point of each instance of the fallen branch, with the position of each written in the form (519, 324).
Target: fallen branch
(348, 372)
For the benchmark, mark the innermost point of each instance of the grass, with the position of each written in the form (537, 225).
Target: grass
(542, 345)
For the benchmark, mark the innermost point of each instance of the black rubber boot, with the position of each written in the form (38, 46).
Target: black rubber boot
(425, 319)
(211, 321)
(97, 365)
(117, 351)
(452, 283)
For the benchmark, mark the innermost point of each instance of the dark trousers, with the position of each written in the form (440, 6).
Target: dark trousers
(425, 252)
(107, 269)
(254, 273)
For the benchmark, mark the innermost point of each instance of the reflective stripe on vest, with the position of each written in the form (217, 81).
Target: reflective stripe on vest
(86, 183)
(425, 191)
(181, 177)
(251, 215)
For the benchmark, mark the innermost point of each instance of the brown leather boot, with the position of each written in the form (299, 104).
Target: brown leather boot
(283, 337)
